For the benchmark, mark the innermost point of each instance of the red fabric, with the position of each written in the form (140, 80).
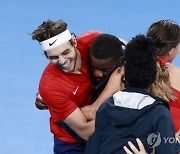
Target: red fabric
(173, 104)
(161, 60)
(56, 88)
(175, 110)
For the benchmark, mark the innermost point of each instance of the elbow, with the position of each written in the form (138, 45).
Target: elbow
(85, 132)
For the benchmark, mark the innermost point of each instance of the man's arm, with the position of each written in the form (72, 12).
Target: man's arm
(114, 84)
(78, 123)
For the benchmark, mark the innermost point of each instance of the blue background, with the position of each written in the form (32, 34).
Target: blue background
(23, 128)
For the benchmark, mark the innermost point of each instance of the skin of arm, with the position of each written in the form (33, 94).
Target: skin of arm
(174, 73)
(77, 120)
(111, 87)
(78, 123)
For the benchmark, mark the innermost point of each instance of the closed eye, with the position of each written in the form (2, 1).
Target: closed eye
(53, 57)
(65, 52)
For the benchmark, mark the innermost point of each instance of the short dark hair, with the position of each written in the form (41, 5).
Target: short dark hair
(140, 62)
(106, 46)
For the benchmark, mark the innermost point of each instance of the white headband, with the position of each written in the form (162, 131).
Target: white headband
(55, 41)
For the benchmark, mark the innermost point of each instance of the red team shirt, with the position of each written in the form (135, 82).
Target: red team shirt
(64, 92)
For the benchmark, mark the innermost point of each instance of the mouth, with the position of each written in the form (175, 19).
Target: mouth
(66, 65)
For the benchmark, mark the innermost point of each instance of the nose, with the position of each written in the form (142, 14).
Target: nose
(98, 74)
(61, 60)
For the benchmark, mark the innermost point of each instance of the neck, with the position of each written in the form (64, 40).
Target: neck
(77, 66)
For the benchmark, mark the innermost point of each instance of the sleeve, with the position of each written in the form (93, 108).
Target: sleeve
(58, 101)
(94, 142)
(165, 128)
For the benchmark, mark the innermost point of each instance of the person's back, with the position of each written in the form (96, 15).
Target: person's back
(166, 36)
(133, 112)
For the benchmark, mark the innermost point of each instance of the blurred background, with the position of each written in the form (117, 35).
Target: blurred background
(23, 128)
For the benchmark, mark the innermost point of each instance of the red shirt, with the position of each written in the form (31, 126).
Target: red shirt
(173, 104)
(175, 109)
(64, 92)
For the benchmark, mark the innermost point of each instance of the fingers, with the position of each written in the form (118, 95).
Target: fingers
(40, 100)
(39, 103)
(120, 70)
(133, 148)
(141, 147)
(127, 150)
(178, 134)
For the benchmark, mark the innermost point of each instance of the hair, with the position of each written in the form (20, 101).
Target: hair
(140, 62)
(161, 87)
(106, 46)
(165, 34)
(49, 29)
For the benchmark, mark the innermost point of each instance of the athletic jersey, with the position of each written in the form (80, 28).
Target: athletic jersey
(65, 92)
(174, 104)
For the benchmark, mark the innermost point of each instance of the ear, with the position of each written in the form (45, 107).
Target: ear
(170, 52)
(74, 40)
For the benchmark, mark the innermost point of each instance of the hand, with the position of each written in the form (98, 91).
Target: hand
(178, 135)
(40, 104)
(134, 149)
(89, 112)
(114, 84)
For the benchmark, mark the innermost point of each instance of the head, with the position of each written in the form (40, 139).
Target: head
(105, 53)
(58, 44)
(140, 63)
(166, 36)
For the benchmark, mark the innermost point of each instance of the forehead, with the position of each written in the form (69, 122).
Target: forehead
(59, 49)
(102, 63)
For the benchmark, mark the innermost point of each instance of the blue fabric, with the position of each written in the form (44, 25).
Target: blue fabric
(71, 132)
(178, 147)
(61, 147)
(116, 125)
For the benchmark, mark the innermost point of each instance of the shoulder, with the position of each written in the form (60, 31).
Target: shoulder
(102, 111)
(173, 69)
(88, 36)
(174, 72)
(161, 111)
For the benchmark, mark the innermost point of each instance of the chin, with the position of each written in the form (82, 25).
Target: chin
(69, 70)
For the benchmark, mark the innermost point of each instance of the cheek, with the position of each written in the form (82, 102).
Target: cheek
(179, 49)
(54, 61)
(71, 55)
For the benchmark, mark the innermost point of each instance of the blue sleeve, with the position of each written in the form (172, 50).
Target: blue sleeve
(165, 128)
(93, 144)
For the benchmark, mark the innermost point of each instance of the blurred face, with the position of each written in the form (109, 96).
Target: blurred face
(174, 52)
(100, 68)
(64, 57)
